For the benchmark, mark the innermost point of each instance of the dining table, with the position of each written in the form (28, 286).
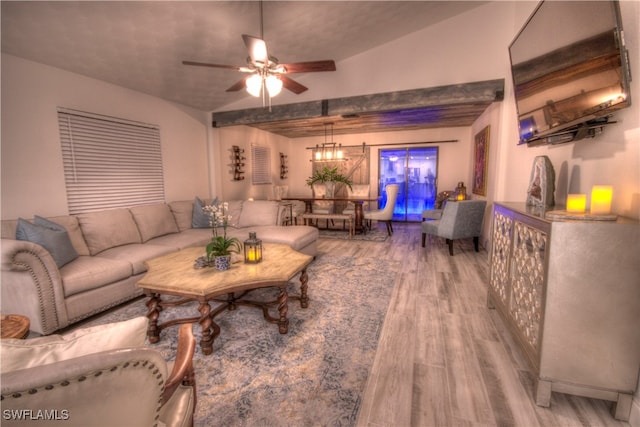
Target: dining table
(358, 202)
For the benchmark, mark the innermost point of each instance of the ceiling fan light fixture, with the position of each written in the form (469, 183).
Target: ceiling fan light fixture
(274, 85)
(254, 85)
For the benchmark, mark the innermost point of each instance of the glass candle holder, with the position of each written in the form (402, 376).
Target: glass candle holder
(601, 199)
(576, 203)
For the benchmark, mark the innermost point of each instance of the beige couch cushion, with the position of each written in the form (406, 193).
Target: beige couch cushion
(107, 229)
(235, 208)
(92, 272)
(258, 213)
(183, 213)
(22, 354)
(136, 254)
(70, 222)
(154, 220)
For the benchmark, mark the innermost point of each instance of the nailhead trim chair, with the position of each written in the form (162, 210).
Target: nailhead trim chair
(458, 220)
(132, 386)
(356, 190)
(321, 206)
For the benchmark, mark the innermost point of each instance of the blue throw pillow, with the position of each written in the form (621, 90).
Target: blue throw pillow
(51, 236)
(200, 218)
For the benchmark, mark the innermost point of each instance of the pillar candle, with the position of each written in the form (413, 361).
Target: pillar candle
(601, 199)
(576, 203)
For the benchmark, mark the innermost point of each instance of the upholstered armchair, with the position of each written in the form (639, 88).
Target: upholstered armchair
(322, 206)
(98, 376)
(385, 214)
(293, 208)
(457, 220)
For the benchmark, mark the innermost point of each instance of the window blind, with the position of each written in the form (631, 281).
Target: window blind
(260, 165)
(109, 162)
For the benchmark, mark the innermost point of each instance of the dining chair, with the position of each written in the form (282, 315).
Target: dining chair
(356, 190)
(321, 206)
(385, 214)
(280, 191)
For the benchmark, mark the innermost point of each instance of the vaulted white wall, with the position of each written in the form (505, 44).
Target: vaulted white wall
(32, 171)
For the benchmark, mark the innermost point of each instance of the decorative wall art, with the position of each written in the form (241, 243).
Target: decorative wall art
(481, 162)
(284, 168)
(541, 183)
(237, 163)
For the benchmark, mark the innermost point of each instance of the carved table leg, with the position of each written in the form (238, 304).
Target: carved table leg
(206, 343)
(304, 278)
(153, 312)
(231, 301)
(283, 322)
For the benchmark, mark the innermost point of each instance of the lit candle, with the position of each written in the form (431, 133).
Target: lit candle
(601, 199)
(251, 255)
(576, 203)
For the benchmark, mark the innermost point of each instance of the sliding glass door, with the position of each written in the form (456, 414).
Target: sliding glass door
(415, 170)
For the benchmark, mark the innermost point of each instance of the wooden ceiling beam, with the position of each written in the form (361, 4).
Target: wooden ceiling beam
(442, 106)
(467, 93)
(297, 111)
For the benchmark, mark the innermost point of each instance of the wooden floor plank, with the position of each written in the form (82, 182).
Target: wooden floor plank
(444, 358)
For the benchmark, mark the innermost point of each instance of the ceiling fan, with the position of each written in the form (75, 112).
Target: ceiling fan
(265, 75)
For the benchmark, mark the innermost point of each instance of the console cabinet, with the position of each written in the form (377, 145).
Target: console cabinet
(569, 292)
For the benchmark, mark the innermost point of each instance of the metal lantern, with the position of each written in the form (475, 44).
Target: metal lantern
(461, 191)
(252, 249)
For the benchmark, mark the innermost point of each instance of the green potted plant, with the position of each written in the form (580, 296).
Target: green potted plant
(328, 176)
(221, 247)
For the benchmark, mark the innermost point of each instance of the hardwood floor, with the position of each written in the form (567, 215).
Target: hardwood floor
(443, 358)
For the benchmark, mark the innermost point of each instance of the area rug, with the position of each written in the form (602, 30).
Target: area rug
(374, 235)
(313, 376)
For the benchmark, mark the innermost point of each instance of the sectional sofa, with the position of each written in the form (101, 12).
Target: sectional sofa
(60, 270)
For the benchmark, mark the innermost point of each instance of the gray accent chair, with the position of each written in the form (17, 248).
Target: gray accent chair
(131, 386)
(457, 220)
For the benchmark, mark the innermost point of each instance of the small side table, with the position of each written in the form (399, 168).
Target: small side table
(14, 326)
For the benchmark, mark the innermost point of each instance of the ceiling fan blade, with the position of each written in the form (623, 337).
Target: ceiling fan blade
(241, 84)
(292, 85)
(257, 49)
(310, 67)
(205, 64)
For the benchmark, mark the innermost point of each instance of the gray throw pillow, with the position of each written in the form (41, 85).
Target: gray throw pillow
(200, 218)
(51, 236)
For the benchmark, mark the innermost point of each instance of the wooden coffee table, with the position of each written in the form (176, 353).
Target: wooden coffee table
(174, 275)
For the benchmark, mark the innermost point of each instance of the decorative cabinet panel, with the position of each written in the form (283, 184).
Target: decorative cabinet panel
(569, 292)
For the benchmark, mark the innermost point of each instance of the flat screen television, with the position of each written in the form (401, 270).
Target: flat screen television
(570, 71)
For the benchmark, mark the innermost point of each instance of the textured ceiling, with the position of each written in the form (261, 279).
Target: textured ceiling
(140, 45)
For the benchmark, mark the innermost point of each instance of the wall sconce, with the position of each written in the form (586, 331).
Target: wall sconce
(601, 199)
(576, 203)
(252, 249)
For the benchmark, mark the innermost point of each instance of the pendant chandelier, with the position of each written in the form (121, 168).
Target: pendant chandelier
(329, 151)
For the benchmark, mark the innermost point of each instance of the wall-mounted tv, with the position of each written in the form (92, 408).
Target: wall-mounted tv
(570, 71)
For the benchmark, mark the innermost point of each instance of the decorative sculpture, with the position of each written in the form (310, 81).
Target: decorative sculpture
(542, 183)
